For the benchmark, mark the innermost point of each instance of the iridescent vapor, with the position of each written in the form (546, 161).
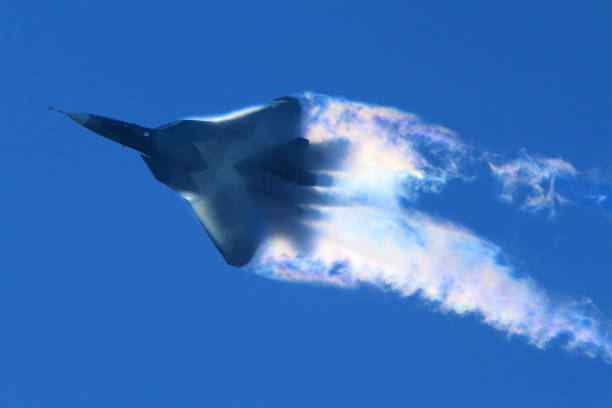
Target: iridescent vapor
(541, 184)
(532, 180)
(369, 233)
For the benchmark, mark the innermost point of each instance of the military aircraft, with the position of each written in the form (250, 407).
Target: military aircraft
(246, 176)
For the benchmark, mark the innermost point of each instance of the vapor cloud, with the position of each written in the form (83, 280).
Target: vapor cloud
(531, 180)
(543, 184)
(370, 234)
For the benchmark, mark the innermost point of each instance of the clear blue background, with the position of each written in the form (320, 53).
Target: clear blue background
(112, 295)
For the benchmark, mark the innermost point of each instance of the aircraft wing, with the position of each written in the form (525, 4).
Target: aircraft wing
(234, 226)
(281, 115)
(227, 212)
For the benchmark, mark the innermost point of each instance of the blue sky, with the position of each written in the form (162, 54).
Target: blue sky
(110, 291)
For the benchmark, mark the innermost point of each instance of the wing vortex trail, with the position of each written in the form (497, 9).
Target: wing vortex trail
(368, 237)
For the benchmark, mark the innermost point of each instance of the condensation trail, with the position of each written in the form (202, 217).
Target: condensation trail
(541, 184)
(367, 235)
(534, 178)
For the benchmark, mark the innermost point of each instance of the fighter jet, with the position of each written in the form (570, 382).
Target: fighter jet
(246, 176)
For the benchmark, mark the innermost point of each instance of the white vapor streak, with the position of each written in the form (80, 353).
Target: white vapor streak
(534, 178)
(408, 252)
(369, 237)
(387, 149)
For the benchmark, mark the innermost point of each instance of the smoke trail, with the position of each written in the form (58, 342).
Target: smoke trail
(368, 235)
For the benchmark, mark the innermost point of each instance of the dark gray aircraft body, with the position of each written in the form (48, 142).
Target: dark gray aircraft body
(246, 176)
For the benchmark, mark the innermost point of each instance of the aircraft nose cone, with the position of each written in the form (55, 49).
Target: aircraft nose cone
(80, 118)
